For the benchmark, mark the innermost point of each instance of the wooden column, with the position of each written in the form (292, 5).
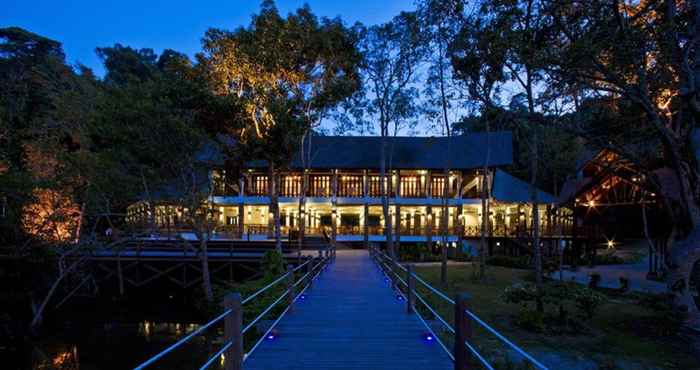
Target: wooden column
(233, 325)
(365, 224)
(429, 225)
(241, 219)
(397, 222)
(463, 333)
(429, 185)
(334, 208)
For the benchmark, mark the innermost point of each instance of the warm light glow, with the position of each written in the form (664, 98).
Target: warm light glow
(53, 216)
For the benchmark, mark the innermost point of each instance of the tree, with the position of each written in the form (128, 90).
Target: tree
(500, 47)
(392, 53)
(644, 56)
(286, 72)
(440, 20)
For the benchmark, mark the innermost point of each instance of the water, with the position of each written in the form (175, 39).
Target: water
(118, 336)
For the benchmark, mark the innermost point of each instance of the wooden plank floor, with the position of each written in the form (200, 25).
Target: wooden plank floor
(350, 319)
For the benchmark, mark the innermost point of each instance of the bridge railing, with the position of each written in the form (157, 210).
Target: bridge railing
(232, 316)
(403, 279)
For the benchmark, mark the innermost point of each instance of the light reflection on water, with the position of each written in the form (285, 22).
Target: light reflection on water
(125, 345)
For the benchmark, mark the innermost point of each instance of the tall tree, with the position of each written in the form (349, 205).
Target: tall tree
(286, 72)
(643, 55)
(440, 21)
(392, 54)
(502, 46)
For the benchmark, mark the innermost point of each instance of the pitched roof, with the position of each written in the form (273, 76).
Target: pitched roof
(363, 152)
(507, 188)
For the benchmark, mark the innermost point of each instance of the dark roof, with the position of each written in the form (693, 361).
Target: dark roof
(507, 188)
(359, 152)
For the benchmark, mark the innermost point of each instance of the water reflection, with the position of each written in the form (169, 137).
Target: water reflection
(122, 345)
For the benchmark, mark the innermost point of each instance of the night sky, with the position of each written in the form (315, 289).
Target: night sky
(83, 25)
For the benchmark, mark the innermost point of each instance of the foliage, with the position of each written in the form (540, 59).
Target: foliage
(520, 262)
(420, 252)
(273, 264)
(585, 300)
(286, 72)
(594, 280)
(609, 259)
(624, 284)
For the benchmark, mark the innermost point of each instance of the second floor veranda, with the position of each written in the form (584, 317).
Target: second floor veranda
(352, 184)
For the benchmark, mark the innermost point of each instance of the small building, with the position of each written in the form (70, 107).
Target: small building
(343, 194)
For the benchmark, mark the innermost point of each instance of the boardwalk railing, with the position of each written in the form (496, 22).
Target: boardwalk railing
(232, 348)
(403, 279)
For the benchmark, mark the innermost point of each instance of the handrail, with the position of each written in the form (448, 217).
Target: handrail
(216, 355)
(505, 340)
(268, 286)
(318, 267)
(283, 312)
(182, 341)
(386, 263)
(432, 289)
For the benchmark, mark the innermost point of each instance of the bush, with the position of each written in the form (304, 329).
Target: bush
(608, 259)
(520, 293)
(522, 262)
(530, 320)
(595, 280)
(587, 301)
(273, 264)
(416, 253)
(624, 284)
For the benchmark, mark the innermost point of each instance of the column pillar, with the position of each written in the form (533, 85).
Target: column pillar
(365, 224)
(241, 219)
(397, 222)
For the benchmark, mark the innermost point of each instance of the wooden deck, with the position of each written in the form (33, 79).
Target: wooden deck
(350, 319)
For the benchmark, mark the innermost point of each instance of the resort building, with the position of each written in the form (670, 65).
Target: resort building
(343, 195)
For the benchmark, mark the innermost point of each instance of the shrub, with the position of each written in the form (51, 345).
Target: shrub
(595, 280)
(530, 320)
(273, 264)
(587, 301)
(624, 284)
(416, 253)
(520, 293)
(522, 262)
(608, 259)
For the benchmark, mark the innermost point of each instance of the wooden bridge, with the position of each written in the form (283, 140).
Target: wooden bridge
(350, 319)
(347, 310)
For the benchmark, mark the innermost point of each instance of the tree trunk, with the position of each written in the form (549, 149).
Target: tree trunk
(683, 256)
(536, 221)
(274, 206)
(206, 278)
(385, 201)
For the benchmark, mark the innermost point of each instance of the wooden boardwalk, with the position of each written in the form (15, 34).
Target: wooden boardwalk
(350, 319)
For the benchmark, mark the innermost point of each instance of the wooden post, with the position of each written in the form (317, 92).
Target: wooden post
(232, 332)
(463, 333)
(290, 286)
(409, 289)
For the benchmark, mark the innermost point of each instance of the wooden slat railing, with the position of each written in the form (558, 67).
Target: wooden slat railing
(464, 353)
(234, 328)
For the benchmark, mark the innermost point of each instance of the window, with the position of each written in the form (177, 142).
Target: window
(437, 186)
(259, 185)
(410, 186)
(291, 186)
(350, 186)
(320, 185)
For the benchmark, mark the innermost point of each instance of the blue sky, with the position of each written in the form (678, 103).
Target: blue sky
(83, 25)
